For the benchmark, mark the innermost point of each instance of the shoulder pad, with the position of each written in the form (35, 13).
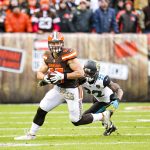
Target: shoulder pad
(106, 81)
(69, 54)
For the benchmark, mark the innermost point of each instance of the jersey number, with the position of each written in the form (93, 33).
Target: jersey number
(94, 92)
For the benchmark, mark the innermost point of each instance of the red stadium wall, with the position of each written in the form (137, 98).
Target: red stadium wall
(123, 57)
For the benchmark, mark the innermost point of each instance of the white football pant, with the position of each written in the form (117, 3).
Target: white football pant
(57, 95)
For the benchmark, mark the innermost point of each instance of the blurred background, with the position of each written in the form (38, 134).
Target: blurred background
(114, 32)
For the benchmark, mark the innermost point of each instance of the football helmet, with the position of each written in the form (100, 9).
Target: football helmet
(90, 69)
(55, 42)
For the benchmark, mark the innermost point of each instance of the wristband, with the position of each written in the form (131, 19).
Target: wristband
(65, 76)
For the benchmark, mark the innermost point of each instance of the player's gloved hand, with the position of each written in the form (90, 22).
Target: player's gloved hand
(57, 76)
(115, 103)
(46, 79)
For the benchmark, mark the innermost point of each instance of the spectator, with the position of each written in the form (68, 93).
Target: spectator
(94, 5)
(119, 6)
(71, 5)
(65, 17)
(146, 11)
(47, 19)
(16, 21)
(82, 18)
(2, 17)
(32, 10)
(140, 4)
(32, 7)
(104, 20)
(13, 3)
(128, 19)
(23, 5)
(6, 8)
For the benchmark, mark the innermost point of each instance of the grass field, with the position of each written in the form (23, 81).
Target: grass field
(59, 134)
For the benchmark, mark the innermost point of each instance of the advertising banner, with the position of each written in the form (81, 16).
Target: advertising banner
(11, 60)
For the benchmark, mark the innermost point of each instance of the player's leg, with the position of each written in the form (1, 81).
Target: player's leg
(75, 110)
(49, 102)
(97, 107)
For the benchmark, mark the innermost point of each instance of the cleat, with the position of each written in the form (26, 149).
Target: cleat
(110, 130)
(106, 119)
(28, 136)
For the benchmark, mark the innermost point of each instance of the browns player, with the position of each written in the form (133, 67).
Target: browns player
(66, 70)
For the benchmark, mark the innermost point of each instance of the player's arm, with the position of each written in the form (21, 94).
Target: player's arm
(77, 69)
(41, 72)
(77, 72)
(113, 86)
(116, 88)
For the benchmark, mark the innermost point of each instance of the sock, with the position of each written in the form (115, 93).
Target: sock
(34, 128)
(97, 117)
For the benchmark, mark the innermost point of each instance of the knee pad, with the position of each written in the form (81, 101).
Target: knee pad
(39, 117)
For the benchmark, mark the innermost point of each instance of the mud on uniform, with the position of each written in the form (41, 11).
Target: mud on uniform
(65, 91)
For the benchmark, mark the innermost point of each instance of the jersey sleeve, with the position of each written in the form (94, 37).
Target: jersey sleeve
(69, 54)
(106, 81)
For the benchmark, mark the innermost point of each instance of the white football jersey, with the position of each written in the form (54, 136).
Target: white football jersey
(98, 90)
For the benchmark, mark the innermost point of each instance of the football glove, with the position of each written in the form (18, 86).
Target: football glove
(115, 103)
(57, 76)
(47, 79)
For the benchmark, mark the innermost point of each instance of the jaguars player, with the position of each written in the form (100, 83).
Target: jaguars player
(106, 93)
(66, 70)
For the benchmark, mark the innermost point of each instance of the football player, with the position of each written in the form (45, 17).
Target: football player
(106, 93)
(64, 71)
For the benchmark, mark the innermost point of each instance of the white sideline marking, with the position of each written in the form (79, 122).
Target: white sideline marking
(18, 145)
(143, 120)
(133, 111)
(137, 108)
(66, 144)
(60, 112)
(63, 144)
(76, 135)
(77, 128)
(68, 122)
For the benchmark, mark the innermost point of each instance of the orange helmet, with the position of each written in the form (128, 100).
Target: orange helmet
(55, 41)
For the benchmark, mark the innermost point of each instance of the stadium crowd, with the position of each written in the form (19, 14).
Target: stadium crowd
(96, 16)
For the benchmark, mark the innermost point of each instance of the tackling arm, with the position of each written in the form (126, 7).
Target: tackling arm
(116, 88)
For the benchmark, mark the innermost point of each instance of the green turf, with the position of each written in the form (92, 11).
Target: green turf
(59, 134)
